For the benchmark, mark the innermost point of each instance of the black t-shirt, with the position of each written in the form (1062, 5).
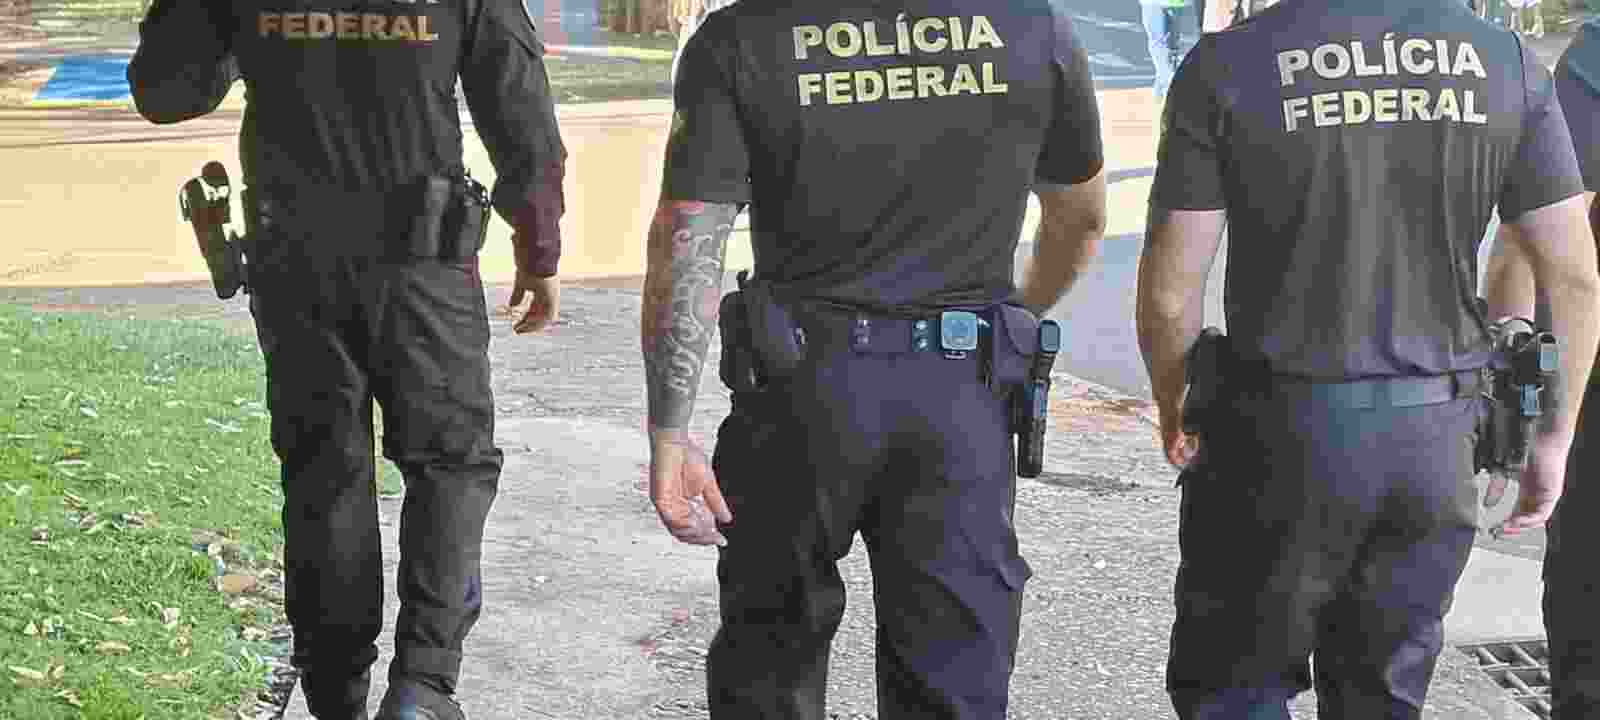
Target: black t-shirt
(1358, 149)
(886, 155)
(363, 97)
(1578, 86)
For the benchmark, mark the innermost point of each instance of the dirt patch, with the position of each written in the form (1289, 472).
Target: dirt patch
(20, 80)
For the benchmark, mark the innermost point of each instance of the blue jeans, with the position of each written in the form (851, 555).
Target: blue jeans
(1172, 31)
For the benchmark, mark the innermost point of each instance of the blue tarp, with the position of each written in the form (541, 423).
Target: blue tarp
(88, 78)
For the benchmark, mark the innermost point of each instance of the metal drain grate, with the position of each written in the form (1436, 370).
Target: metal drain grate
(1522, 667)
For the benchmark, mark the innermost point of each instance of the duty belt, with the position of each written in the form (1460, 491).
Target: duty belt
(1391, 392)
(952, 332)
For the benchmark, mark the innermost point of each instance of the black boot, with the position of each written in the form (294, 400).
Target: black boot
(336, 696)
(412, 699)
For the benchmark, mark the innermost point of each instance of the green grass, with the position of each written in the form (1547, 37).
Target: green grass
(576, 79)
(120, 440)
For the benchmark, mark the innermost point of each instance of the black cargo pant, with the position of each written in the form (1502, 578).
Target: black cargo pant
(337, 333)
(1572, 579)
(1316, 532)
(911, 449)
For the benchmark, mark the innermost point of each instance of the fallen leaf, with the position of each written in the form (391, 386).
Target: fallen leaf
(235, 584)
(169, 616)
(120, 619)
(73, 463)
(40, 534)
(14, 436)
(87, 521)
(70, 697)
(28, 673)
(57, 672)
(88, 412)
(73, 501)
(253, 634)
(111, 646)
(31, 630)
(91, 615)
(17, 491)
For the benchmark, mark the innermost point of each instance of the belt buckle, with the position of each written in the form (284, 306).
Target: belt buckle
(958, 333)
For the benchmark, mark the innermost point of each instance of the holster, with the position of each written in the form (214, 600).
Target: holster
(739, 368)
(452, 221)
(774, 336)
(1205, 368)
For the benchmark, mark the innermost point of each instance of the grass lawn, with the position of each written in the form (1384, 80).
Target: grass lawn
(576, 79)
(133, 464)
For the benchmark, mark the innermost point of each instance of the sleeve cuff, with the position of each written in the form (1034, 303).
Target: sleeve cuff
(536, 223)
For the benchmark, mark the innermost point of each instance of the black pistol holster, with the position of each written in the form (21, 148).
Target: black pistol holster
(452, 218)
(1031, 402)
(1524, 364)
(204, 202)
(1203, 375)
(761, 341)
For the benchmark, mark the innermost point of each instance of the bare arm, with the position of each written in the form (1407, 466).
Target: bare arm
(682, 290)
(1179, 249)
(1508, 281)
(1072, 222)
(1558, 246)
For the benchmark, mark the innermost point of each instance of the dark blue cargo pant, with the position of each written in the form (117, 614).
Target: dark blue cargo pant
(1335, 535)
(336, 334)
(912, 450)
(1572, 579)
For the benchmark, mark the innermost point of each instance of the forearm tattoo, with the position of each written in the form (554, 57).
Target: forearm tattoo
(682, 291)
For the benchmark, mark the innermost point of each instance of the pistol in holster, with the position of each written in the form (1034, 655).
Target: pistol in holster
(1524, 364)
(1030, 410)
(452, 221)
(1203, 376)
(204, 202)
(761, 342)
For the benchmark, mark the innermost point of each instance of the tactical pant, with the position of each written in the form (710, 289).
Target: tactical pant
(1571, 579)
(914, 451)
(1331, 534)
(338, 333)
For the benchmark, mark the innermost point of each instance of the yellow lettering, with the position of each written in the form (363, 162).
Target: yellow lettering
(294, 26)
(844, 40)
(349, 25)
(1469, 109)
(1414, 104)
(930, 81)
(320, 25)
(838, 92)
(1443, 57)
(983, 34)
(1408, 59)
(919, 35)
(1467, 60)
(810, 84)
(372, 27)
(989, 84)
(964, 81)
(422, 30)
(900, 83)
(268, 23)
(1446, 107)
(957, 35)
(869, 86)
(1293, 110)
(806, 36)
(875, 48)
(1291, 62)
(1324, 109)
(1319, 61)
(401, 30)
(1386, 105)
(1357, 107)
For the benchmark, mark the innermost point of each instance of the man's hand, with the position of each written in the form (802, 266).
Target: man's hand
(1179, 446)
(685, 491)
(1540, 487)
(546, 301)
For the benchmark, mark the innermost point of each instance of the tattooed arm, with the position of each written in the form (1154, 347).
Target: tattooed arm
(682, 291)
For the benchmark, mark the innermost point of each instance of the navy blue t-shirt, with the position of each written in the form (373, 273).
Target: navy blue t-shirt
(886, 152)
(1359, 149)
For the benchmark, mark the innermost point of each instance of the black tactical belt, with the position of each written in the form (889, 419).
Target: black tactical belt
(952, 332)
(1382, 392)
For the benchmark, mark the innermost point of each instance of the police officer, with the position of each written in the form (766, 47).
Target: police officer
(1571, 582)
(363, 241)
(886, 155)
(1356, 150)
